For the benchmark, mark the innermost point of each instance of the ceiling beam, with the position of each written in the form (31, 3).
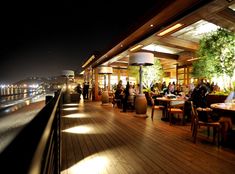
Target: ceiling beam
(224, 18)
(167, 67)
(228, 14)
(178, 43)
(162, 55)
(164, 17)
(118, 64)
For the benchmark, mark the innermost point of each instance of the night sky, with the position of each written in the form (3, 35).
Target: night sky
(42, 38)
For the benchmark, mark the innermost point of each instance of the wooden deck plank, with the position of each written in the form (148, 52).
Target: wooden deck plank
(132, 142)
(185, 150)
(136, 145)
(116, 167)
(144, 151)
(100, 147)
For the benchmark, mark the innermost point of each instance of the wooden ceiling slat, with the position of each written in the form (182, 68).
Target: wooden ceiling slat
(117, 64)
(173, 11)
(178, 43)
(162, 55)
(216, 11)
(228, 14)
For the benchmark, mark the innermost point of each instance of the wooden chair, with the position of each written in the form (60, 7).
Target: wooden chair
(176, 107)
(196, 124)
(156, 107)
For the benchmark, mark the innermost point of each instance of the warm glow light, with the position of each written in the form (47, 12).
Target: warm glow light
(195, 31)
(27, 102)
(174, 27)
(70, 109)
(223, 81)
(79, 129)
(192, 59)
(71, 104)
(90, 165)
(136, 47)
(88, 61)
(77, 115)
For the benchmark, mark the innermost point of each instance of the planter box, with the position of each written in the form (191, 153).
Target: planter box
(212, 98)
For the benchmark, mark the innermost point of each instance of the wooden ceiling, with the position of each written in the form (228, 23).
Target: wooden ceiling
(216, 12)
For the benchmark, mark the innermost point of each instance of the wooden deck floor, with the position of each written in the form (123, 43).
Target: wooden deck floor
(101, 139)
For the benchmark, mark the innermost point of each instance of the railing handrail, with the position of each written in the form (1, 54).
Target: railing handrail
(36, 164)
(28, 151)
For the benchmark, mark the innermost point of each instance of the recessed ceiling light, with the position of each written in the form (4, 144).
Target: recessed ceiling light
(136, 47)
(174, 27)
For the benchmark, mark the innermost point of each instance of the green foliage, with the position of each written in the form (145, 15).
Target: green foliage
(222, 92)
(134, 72)
(146, 90)
(216, 55)
(152, 74)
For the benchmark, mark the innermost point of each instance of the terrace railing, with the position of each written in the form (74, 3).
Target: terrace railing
(36, 149)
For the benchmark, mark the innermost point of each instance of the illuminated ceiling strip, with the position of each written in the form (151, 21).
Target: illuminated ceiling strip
(136, 47)
(174, 27)
(88, 61)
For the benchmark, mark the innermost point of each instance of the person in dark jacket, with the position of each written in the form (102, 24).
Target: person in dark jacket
(125, 99)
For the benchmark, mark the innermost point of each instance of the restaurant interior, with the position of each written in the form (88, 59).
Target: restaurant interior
(174, 44)
(173, 36)
(162, 141)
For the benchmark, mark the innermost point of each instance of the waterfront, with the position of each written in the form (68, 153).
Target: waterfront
(12, 122)
(18, 110)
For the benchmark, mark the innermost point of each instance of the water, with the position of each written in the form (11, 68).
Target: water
(15, 96)
(17, 109)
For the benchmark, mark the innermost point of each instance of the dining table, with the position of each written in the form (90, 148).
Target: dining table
(224, 106)
(224, 109)
(226, 113)
(170, 101)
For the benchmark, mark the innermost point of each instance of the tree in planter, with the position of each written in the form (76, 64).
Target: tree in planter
(216, 55)
(151, 74)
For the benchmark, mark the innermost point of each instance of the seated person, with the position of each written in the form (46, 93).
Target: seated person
(119, 90)
(198, 96)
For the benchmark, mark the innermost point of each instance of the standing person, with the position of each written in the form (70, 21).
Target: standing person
(79, 90)
(86, 90)
(164, 88)
(126, 92)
